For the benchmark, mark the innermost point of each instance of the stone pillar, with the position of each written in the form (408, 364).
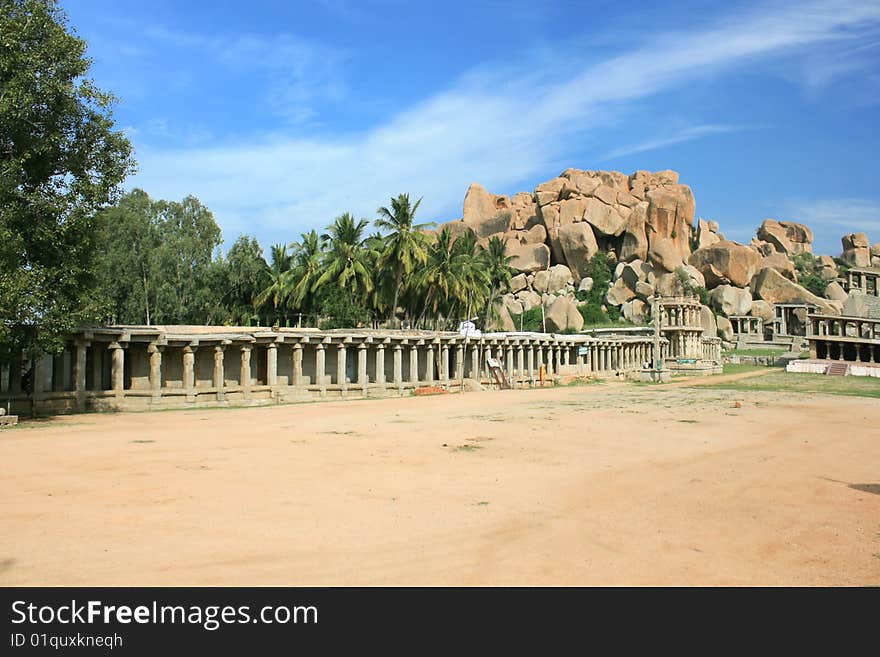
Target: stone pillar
(155, 352)
(272, 364)
(398, 364)
(476, 365)
(413, 363)
(380, 363)
(79, 376)
(444, 362)
(362, 365)
(117, 370)
(520, 361)
(218, 372)
(508, 362)
(429, 362)
(297, 376)
(320, 364)
(530, 361)
(189, 372)
(5, 378)
(341, 354)
(549, 362)
(245, 378)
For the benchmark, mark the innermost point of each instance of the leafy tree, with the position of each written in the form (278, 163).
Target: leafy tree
(129, 238)
(157, 264)
(809, 273)
(188, 235)
(60, 161)
(405, 244)
(242, 275)
(599, 268)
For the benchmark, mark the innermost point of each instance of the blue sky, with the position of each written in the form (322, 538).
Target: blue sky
(281, 115)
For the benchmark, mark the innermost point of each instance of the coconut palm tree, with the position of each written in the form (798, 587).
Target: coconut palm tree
(439, 281)
(277, 274)
(347, 262)
(469, 260)
(308, 255)
(405, 244)
(496, 265)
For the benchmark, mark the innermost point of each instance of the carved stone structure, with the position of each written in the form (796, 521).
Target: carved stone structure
(152, 367)
(866, 279)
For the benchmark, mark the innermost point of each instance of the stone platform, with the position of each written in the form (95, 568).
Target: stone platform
(819, 366)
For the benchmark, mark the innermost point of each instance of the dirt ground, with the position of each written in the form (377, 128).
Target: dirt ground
(604, 484)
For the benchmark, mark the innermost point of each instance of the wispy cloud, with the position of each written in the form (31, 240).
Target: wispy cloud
(688, 134)
(496, 127)
(297, 73)
(830, 219)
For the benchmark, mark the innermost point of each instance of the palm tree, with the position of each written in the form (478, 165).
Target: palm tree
(439, 280)
(347, 262)
(497, 268)
(474, 273)
(278, 275)
(307, 262)
(406, 245)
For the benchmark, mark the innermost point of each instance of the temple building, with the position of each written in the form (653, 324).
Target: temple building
(866, 279)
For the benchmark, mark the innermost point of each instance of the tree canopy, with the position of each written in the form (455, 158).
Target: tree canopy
(60, 161)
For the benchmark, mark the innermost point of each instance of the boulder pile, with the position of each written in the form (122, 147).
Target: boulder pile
(645, 223)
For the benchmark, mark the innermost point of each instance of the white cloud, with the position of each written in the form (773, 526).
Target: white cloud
(498, 128)
(830, 219)
(688, 134)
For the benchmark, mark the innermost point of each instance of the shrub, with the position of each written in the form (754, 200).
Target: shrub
(808, 271)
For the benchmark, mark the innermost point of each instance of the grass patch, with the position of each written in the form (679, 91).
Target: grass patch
(466, 448)
(574, 383)
(757, 351)
(688, 421)
(740, 368)
(782, 381)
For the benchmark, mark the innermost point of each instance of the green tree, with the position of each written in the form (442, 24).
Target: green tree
(809, 273)
(347, 263)
(277, 276)
(498, 270)
(188, 237)
(308, 255)
(129, 239)
(405, 244)
(157, 261)
(60, 161)
(239, 279)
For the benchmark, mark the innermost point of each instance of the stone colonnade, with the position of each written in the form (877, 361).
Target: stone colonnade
(746, 325)
(855, 339)
(159, 367)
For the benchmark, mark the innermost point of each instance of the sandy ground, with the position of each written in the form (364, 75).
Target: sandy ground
(602, 484)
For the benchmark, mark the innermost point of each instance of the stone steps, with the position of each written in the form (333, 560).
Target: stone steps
(837, 369)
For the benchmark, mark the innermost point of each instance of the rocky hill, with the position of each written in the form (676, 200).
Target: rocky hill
(645, 223)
